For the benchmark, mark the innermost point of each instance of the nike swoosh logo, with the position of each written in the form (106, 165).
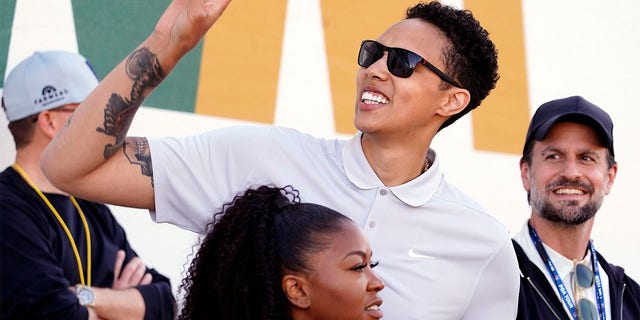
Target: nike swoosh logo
(413, 253)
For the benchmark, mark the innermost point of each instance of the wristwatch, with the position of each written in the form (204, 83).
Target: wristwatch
(85, 295)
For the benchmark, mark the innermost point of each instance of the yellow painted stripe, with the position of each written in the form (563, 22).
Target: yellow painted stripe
(346, 24)
(501, 121)
(240, 62)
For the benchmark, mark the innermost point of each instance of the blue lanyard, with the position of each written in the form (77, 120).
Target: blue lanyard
(560, 285)
(599, 291)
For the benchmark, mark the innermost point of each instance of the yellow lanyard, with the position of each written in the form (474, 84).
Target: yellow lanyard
(64, 226)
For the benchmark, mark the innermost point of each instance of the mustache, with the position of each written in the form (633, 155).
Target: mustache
(566, 183)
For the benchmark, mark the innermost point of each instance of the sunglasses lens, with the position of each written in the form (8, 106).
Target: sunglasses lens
(587, 310)
(398, 60)
(398, 63)
(370, 52)
(584, 276)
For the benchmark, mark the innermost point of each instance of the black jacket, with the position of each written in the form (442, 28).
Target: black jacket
(37, 263)
(538, 300)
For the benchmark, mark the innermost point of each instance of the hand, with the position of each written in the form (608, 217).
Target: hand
(133, 274)
(93, 315)
(185, 22)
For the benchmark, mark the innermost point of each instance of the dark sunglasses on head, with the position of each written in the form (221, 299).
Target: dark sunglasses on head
(400, 62)
(584, 279)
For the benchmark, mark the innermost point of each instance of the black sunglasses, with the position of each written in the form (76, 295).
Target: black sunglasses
(400, 62)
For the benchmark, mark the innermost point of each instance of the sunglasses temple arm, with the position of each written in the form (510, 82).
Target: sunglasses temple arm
(440, 74)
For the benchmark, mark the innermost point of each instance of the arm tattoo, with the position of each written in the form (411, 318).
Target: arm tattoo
(137, 152)
(144, 69)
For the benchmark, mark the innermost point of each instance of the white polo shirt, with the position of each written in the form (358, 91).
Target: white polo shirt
(441, 255)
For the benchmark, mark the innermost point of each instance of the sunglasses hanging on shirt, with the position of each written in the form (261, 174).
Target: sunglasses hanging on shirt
(583, 279)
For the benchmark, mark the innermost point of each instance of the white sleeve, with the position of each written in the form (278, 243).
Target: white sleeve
(195, 175)
(496, 294)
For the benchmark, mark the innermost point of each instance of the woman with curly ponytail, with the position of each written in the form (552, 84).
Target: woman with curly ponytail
(266, 255)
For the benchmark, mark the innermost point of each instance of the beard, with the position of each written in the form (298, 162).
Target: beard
(569, 212)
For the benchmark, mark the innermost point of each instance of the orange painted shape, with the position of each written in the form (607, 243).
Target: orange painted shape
(346, 24)
(241, 60)
(500, 123)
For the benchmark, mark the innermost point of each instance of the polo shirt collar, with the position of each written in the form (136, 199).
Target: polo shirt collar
(415, 193)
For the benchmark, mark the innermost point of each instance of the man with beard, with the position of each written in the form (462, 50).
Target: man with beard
(567, 168)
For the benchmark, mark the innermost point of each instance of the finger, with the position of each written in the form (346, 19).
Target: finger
(130, 269)
(146, 279)
(118, 265)
(138, 275)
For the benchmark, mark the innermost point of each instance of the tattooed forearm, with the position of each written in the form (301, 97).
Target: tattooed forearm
(137, 152)
(143, 67)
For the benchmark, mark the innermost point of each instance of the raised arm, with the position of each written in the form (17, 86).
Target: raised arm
(92, 157)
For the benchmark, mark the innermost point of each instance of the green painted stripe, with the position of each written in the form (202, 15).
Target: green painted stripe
(109, 31)
(7, 9)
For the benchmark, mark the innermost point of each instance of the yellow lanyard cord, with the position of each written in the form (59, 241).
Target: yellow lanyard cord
(64, 226)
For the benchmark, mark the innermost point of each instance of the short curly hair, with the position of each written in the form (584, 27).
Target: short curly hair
(472, 58)
(250, 245)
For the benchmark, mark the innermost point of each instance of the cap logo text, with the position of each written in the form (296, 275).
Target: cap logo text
(50, 95)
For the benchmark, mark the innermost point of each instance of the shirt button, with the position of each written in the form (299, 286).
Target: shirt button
(372, 224)
(383, 192)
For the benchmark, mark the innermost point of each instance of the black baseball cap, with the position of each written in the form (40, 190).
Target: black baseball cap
(572, 109)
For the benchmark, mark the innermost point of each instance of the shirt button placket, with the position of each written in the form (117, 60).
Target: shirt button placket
(372, 223)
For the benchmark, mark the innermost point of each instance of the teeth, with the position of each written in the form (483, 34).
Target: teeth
(373, 307)
(568, 191)
(370, 98)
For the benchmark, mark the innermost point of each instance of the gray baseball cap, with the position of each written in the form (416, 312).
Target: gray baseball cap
(47, 80)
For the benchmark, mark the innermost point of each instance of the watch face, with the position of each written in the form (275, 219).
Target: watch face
(85, 295)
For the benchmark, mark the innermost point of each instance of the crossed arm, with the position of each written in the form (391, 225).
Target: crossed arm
(122, 300)
(37, 274)
(92, 157)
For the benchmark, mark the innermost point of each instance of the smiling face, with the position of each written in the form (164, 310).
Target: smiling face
(342, 284)
(388, 104)
(568, 175)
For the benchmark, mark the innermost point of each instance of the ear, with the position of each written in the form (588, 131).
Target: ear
(51, 122)
(296, 289)
(525, 174)
(47, 124)
(455, 102)
(611, 174)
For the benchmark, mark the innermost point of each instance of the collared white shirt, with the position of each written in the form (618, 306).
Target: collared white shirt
(441, 255)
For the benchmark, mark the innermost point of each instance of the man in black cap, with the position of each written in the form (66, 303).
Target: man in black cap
(567, 168)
